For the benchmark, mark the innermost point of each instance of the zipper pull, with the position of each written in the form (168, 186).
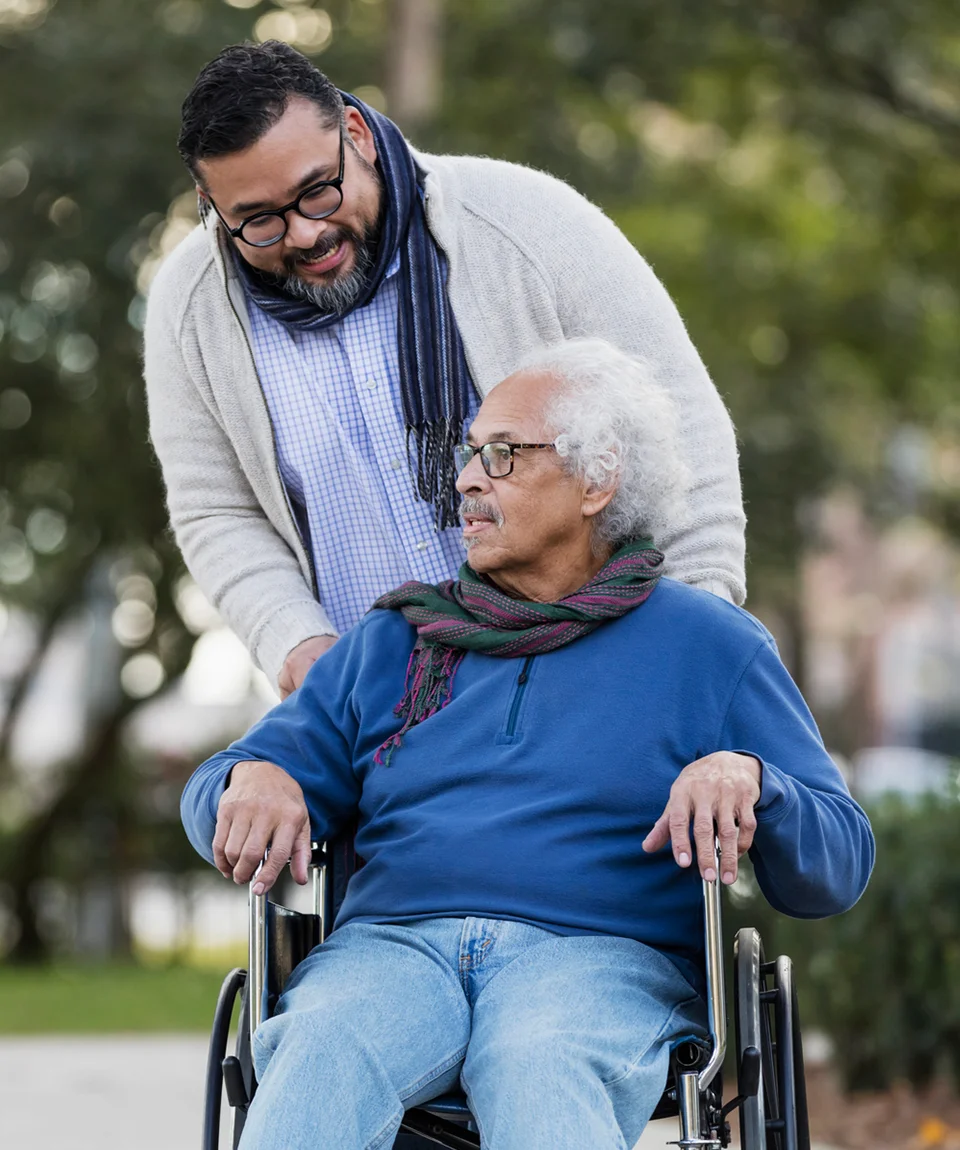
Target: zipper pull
(522, 677)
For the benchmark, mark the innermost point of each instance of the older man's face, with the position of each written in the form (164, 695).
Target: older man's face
(326, 260)
(524, 528)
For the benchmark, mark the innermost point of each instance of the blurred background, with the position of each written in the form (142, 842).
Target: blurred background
(791, 168)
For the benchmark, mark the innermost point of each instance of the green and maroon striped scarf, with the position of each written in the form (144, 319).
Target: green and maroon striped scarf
(472, 614)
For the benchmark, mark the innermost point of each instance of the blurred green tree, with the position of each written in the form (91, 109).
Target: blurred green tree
(790, 169)
(88, 167)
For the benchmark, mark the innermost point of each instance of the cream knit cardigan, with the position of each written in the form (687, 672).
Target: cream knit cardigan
(530, 263)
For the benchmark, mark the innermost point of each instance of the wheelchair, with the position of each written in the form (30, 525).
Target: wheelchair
(771, 1095)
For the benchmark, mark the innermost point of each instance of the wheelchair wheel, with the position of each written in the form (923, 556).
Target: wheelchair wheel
(233, 985)
(240, 1082)
(245, 1057)
(766, 1015)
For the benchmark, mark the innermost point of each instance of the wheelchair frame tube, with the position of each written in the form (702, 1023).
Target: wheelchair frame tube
(716, 1012)
(257, 956)
(257, 934)
(318, 884)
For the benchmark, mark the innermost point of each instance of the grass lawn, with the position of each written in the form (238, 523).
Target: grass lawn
(107, 999)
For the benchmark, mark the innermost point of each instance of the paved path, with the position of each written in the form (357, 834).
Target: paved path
(111, 1093)
(120, 1093)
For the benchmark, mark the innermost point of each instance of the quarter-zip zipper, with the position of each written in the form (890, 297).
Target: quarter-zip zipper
(518, 696)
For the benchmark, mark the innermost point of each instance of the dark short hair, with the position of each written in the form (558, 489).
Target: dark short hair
(243, 92)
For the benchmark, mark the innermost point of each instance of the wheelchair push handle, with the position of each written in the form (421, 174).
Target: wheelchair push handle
(713, 944)
(257, 954)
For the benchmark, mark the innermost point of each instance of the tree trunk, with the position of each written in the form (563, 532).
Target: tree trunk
(412, 66)
(61, 606)
(27, 859)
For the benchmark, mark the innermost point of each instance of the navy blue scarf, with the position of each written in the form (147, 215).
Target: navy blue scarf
(435, 382)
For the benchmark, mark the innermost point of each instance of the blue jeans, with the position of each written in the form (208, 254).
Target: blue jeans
(561, 1043)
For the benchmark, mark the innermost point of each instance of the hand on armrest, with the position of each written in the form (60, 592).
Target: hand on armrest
(717, 794)
(263, 806)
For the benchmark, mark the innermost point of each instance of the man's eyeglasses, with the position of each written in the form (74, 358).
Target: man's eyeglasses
(314, 203)
(496, 457)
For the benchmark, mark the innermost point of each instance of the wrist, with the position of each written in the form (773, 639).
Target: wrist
(242, 771)
(754, 764)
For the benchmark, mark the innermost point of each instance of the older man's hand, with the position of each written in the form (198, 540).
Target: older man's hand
(300, 660)
(717, 794)
(263, 806)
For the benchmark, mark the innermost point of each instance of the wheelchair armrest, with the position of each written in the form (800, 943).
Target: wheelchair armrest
(257, 941)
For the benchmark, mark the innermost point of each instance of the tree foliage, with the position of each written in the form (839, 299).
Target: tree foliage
(790, 169)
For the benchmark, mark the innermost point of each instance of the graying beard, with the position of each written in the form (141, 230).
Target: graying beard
(338, 297)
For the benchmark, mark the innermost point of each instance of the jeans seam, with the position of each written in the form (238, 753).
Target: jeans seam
(469, 1097)
(387, 1130)
(439, 1069)
(633, 1062)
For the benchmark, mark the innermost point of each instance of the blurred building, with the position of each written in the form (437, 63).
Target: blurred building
(881, 610)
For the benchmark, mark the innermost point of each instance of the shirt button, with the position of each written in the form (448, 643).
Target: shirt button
(371, 384)
(396, 464)
(423, 544)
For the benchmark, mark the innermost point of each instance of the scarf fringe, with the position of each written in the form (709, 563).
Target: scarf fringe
(428, 687)
(472, 614)
(436, 476)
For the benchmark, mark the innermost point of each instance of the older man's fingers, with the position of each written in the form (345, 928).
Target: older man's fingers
(729, 835)
(678, 816)
(302, 852)
(704, 836)
(280, 850)
(252, 852)
(659, 834)
(747, 828)
(222, 832)
(238, 824)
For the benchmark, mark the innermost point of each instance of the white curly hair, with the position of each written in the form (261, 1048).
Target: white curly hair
(615, 425)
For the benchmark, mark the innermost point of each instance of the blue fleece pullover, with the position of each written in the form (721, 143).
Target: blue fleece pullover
(528, 796)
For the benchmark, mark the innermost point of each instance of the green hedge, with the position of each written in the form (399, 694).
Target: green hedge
(883, 980)
(106, 999)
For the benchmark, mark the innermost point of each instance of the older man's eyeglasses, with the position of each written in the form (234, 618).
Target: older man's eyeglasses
(314, 203)
(496, 457)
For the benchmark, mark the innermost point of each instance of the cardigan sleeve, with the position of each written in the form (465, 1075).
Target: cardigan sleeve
(604, 288)
(229, 544)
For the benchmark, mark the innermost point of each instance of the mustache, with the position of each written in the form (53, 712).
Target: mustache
(318, 252)
(472, 506)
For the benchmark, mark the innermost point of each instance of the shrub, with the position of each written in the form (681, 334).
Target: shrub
(883, 980)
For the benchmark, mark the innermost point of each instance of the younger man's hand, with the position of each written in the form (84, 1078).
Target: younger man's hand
(263, 806)
(300, 660)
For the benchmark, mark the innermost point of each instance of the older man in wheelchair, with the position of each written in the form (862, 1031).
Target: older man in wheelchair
(524, 752)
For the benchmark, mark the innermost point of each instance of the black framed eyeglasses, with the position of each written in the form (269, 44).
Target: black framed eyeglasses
(314, 203)
(496, 457)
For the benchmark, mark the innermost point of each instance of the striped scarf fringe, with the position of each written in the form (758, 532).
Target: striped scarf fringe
(472, 614)
(435, 384)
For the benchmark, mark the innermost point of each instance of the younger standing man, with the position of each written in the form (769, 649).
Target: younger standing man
(314, 351)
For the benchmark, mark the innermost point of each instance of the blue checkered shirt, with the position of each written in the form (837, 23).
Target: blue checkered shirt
(334, 400)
